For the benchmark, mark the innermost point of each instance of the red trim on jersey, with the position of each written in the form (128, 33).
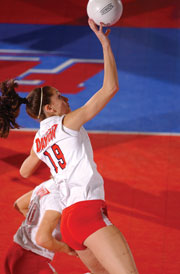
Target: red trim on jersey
(42, 192)
(44, 141)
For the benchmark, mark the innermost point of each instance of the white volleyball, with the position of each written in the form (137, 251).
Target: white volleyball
(107, 12)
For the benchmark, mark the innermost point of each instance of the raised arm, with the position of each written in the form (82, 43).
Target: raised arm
(98, 101)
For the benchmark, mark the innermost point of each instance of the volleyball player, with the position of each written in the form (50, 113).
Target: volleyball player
(38, 237)
(63, 144)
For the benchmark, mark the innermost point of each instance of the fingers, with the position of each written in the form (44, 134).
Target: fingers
(72, 253)
(92, 25)
(107, 32)
(101, 26)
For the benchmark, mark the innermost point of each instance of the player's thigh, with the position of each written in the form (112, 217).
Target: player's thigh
(112, 251)
(88, 258)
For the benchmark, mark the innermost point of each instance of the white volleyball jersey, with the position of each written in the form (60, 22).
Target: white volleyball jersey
(69, 156)
(44, 197)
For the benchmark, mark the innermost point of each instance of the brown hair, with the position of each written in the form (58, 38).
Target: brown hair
(10, 103)
(34, 102)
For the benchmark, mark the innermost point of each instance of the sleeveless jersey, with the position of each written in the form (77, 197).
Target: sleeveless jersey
(69, 156)
(44, 197)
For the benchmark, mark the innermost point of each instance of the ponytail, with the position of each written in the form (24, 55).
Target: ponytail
(10, 103)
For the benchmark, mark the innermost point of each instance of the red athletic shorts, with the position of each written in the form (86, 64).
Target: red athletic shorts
(19, 261)
(80, 220)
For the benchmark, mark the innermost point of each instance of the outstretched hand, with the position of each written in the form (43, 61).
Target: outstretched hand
(103, 37)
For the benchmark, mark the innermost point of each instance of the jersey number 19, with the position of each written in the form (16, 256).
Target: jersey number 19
(59, 156)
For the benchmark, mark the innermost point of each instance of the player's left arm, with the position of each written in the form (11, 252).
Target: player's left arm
(44, 236)
(22, 203)
(30, 164)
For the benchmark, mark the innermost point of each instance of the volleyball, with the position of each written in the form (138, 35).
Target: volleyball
(107, 12)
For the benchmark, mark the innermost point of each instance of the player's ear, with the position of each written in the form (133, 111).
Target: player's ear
(48, 109)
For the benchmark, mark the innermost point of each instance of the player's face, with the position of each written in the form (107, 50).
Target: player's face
(59, 103)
